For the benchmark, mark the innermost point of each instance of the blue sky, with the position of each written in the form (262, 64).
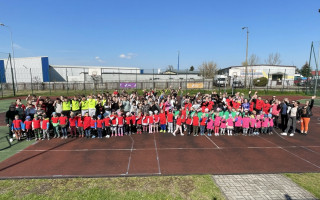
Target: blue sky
(148, 34)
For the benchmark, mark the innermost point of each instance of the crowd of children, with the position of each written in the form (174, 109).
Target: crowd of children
(114, 115)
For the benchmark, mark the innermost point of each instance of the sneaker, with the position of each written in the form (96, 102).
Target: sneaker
(284, 133)
(173, 134)
(164, 131)
(108, 136)
(291, 134)
(182, 134)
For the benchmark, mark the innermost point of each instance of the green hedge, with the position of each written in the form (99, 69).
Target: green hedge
(260, 82)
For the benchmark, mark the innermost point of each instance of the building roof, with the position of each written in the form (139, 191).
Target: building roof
(314, 73)
(173, 72)
(89, 66)
(259, 66)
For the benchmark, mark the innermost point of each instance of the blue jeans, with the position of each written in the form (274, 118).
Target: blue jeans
(202, 130)
(64, 131)
(88, 132)
(99, 132)
(163, 127)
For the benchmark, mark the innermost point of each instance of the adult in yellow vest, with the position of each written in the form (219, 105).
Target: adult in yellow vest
(84, 106)
(66, 106)
(92, 106)
(75, 105)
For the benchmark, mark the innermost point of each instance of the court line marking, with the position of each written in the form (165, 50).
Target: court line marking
(173, 148)
(292, 142)
(290, 152)
(158, 159)
(132, 143)
(212, 141)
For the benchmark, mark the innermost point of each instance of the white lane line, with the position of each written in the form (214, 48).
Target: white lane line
(291, 153)
(158, 159)
(300, 146)
(212, 141)
(132, 143)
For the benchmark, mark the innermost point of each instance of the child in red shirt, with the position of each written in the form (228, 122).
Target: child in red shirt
(156, 121)
(36, 127)
(163, 121)
(145, 124)
(45, 127)
(195, 124)
(17, 126)
(28, 127)
(100, 126)
(80, 125)
(107, 125)
(128, 124)
(55, 124)
(114, 123)
(73, 125)
(151, 121)
(170, 121)
(63, 121)
(86, 125)
(139, 123)
(120, 124)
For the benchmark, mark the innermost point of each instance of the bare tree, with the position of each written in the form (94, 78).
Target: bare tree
(169, 68)
(273, 59)
(208, 70)
(253, 60)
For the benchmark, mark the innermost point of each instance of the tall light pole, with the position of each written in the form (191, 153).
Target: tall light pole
(246, 64)
(14, 63)
(178, 60)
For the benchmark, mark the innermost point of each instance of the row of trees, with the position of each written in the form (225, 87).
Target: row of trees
(209, 69)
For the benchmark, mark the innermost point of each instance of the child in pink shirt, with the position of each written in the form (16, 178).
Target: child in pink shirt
(245, 124)
(217, 123)
(223, 125)
(252, 125)
(238, 123)
(265, 124)
(210, 126)
(257, 125)
(230, 121)
(271, 124)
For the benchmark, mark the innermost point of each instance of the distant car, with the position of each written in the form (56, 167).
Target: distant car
(237, 84)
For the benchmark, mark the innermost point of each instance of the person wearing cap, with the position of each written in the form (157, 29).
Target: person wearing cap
(151, 122)
(10, 116)
(270, 126)
(28, 127)
(156, 121)
(265, 124)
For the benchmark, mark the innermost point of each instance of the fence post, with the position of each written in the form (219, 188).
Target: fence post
(67, 81)
(13, 86)
(284, 77)
(31, 81)
(50, 79)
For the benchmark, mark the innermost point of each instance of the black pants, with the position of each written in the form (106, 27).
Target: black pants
(108, 131)
(237, 130)
(189, 129)
(284, 122)
(275, 121)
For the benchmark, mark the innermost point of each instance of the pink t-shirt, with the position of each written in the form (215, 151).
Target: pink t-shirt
(270, 122)
(252, 122)
(265, 122)
(230, 122)
(217, 121)
(223, 123)
(245, 122)
(210, 124)
(275, 110)
(238, 122)
(258, 123)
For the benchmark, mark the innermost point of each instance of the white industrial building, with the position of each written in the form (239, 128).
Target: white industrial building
(276, 74)
(38, 70)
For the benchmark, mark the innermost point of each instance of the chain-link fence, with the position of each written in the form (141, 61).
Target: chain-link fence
(29, 79)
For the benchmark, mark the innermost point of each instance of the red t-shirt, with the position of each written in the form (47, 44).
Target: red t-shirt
(266, 108)
(139, 120)
(179, 121)
(17, 123)
(259, 104)
(44, 124)
(72, 121)
(189, 120)
(55, 119)
(120, 120)
(128, 120)
(114, 120)
(36, 123)
(99, 123)
(63, 120)
(150, 119)
(203, 121)
(107, 121)
(86, 122)
(195, 121)
(156, 118)
(170, 117)
(28, 125)
(79, 121)
(163, 119)
(133, 119)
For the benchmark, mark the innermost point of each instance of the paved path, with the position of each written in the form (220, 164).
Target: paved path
(260, 186)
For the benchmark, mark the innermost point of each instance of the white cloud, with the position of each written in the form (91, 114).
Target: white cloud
(128, 55)
(16, 46)
(99, 59)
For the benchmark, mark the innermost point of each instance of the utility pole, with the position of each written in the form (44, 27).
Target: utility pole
(246, 64)
(178, 60)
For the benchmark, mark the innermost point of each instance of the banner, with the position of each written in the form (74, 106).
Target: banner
(128, 85)
(195, 85)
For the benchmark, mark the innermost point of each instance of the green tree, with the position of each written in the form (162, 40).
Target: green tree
(306, 70)
(191, 69)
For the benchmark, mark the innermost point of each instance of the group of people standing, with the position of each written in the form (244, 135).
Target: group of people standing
(121, 113)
